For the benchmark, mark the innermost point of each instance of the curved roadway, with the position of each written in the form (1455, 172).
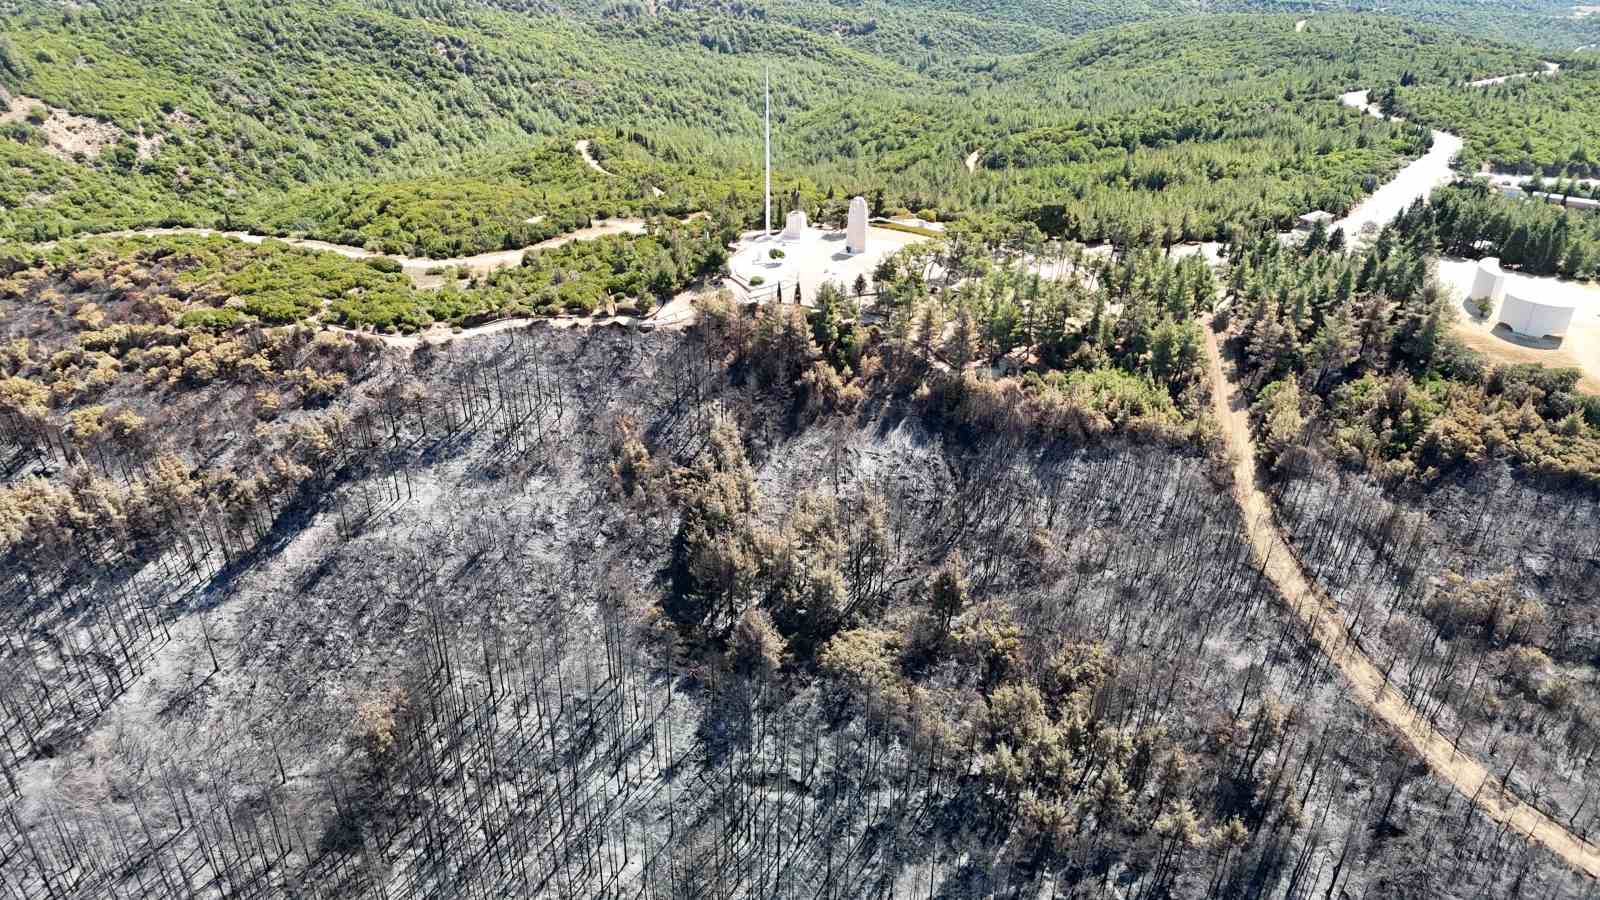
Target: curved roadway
(1307, 600)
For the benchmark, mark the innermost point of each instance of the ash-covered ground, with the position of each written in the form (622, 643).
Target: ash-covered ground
(506, 642)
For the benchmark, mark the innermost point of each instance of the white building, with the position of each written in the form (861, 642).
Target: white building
(1309, 221)
(1583, 204)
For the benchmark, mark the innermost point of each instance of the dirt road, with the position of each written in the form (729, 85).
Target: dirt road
(416, 267)
(583, 150)
(1417, 179)
(1308, 601)
(1550, 68)
(677, 314)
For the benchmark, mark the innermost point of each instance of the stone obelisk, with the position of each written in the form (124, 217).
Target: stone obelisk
(856, 226)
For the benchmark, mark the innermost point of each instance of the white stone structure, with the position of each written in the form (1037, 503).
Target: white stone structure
(1536, 318)
(1488, 281)
(794, 227)
(1310, 220)
(855, 240)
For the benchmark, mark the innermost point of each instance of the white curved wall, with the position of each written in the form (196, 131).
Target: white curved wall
(1489, 280)
(1535, 319)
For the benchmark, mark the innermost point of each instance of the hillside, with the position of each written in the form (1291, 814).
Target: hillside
(1544, 126)
(421, 477)
(478, 577)
(453, 163)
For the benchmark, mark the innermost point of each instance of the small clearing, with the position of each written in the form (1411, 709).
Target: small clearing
(1300, 26)
(816, 257)
(972, 160)
(68, 135)
(1580, 349)
(1369, 684)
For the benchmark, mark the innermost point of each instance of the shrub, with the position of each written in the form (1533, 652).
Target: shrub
(211, 319)
(775, 253)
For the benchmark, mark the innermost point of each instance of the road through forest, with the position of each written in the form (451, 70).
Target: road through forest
(415, 267)
(1306, 599)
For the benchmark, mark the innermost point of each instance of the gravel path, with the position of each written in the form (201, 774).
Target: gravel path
(1417, 179)
(1550, 68)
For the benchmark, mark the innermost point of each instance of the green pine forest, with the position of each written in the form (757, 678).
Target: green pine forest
(1529, 126)
(443, 128)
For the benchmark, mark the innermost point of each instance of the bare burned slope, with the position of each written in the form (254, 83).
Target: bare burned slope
(1478, 602)
(477, 656)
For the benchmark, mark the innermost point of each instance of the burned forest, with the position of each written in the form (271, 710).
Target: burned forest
(799, 450)
(594, 612)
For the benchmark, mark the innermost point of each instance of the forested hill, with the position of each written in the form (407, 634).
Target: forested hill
(201, 107)
(1237, 53)
(221, 112)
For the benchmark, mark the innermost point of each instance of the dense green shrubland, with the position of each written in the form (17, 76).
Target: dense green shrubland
(222, 282)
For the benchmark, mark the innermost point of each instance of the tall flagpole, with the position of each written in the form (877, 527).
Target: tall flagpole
(766, 207)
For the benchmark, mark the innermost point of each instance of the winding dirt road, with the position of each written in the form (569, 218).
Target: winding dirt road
(1306, 599)
(677, 314)
(416, 267)
(1550, 68)
(1417, 179)
(583, 150)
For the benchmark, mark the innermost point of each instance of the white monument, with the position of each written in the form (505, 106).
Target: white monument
(855, 235)
(794, 226)
(1489, 282)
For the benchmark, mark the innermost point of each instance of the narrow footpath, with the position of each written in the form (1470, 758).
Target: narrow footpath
(1317, 610)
